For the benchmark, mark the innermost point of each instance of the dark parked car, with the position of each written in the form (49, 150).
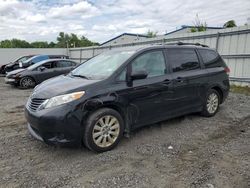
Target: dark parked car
(119, 91)
(14, 65)
(32, 60)
(39, 72)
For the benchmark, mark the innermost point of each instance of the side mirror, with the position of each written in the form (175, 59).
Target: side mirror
(41, 68)
(139, 75)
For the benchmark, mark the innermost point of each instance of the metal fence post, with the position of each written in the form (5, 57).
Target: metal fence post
(217, 41)
(93, 53)
(80, 55)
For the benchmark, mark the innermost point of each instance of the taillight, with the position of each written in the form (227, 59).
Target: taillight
(227, 70)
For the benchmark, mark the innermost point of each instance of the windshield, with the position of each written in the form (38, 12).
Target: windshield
(22, 59)
(103, 65)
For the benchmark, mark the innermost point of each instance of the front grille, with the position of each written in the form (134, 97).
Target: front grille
(34, 104)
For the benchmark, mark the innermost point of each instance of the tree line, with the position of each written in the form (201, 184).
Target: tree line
(64, 40)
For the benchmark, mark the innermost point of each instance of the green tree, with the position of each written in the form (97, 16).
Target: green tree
(230, 23)
(39, 44)
(6, 44)
(72, 40)
(151, 34)
(64, 40)
(14, 43)
(199, 26)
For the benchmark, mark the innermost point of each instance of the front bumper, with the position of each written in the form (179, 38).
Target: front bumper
(56, 126)
(11, 81)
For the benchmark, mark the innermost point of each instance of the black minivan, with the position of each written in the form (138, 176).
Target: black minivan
(121, 90)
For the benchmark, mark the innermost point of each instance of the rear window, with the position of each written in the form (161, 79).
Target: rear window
(183, 59)
(210, 58)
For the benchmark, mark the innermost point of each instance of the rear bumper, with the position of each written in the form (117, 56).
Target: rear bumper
(55, 126)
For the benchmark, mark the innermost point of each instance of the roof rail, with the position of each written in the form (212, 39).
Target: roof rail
(186, 43)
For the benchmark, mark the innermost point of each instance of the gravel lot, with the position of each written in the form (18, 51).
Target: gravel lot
(206, 152)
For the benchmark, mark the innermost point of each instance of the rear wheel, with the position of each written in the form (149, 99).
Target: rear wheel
(27, 82)
(212, 102)
(103, 131)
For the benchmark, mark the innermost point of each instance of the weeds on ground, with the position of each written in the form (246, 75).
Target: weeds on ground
(240, 89)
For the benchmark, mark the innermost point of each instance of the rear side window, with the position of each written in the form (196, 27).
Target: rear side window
(152, 62)
(64, 64)
(210, 58)
(183, 59)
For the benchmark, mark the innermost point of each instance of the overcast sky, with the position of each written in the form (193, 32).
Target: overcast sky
(100, 20)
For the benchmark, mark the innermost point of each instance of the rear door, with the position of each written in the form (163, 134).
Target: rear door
(189, 79)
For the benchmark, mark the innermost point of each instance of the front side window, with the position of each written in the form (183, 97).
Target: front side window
(210, 58)
(152, 62)
(183, 59)
(103, 65)
(47, 65)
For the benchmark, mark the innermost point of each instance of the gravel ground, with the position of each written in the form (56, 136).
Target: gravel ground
(189, 151)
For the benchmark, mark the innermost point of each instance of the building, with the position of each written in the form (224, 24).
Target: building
(124, 39)
(187, 29)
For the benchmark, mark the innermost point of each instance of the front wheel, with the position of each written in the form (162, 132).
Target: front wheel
(27, 82)
(103, 130)
(212, 102)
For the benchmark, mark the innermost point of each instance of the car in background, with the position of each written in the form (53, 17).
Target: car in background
(14, 65)
(32, 60)
(122, 90)
(37, 73)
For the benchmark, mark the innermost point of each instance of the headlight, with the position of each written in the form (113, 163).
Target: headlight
(62, 99)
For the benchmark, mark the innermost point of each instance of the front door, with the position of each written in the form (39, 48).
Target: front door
(147, 98)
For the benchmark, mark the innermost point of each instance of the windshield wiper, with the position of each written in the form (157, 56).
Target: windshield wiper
(80, 76)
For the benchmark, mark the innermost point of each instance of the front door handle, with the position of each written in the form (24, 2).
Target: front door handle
(180, 79)
(166, 82)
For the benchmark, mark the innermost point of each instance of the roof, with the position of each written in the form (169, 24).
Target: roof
(157, 46)
(189, 26)
(130, 34)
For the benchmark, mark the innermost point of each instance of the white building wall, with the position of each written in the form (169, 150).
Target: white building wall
(124, 39)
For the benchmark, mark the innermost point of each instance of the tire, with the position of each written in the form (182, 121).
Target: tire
(103, 130)
(27, 82)
(211, 104)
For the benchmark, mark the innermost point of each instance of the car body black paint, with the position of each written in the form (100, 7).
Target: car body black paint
(140, 102)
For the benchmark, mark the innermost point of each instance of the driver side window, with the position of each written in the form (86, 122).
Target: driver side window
(46, 65)
(152, 62)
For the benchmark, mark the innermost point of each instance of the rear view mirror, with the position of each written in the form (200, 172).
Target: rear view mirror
(139, 75)
(41, 68)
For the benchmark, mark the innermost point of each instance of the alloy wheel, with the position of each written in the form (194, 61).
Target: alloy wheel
(106, 131)
(212, 103)
(27, 82)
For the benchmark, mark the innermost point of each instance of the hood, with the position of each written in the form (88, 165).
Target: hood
(60, 85)
(10, 64)
(15, 72)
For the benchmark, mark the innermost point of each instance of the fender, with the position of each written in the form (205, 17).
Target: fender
(112, 100)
